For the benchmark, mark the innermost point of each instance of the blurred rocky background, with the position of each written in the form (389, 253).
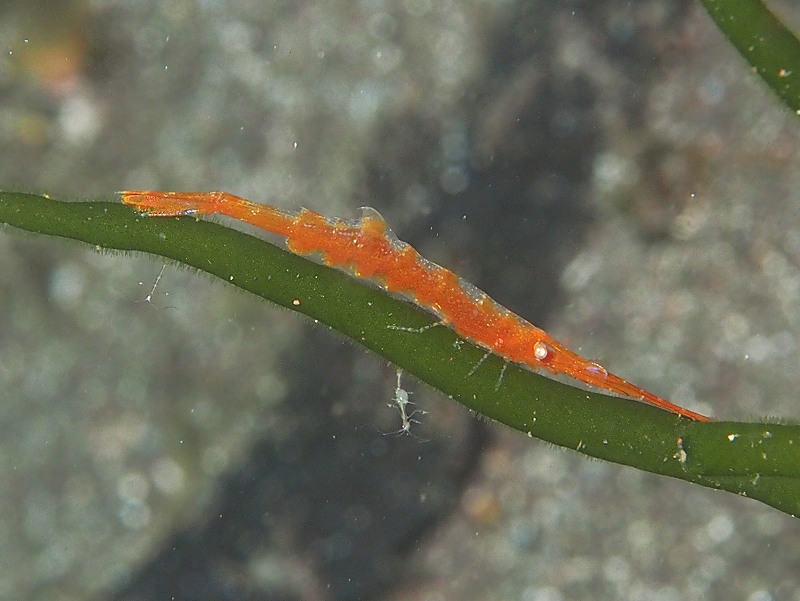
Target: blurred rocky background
(610, 170)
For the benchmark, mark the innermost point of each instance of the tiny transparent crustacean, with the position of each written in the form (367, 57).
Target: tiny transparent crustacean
(401, 400)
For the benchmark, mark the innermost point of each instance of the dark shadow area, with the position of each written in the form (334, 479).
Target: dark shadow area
(330, 511)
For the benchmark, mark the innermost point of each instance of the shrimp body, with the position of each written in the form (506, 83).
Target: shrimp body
(368, 249)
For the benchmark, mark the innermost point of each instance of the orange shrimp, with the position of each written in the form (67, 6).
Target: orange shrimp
(368, 249)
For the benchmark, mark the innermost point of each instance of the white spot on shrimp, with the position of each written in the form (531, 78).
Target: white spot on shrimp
(540, 351)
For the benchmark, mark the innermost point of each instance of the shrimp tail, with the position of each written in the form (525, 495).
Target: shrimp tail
(594, 374)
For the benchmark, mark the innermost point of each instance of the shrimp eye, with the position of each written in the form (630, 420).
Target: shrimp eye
(540, 351)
